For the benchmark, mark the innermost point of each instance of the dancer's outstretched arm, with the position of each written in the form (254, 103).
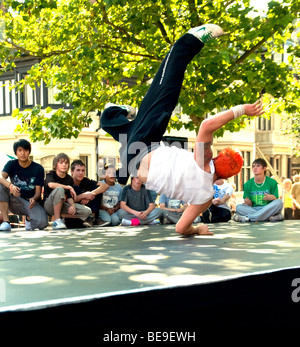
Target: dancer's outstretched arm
(208, 126)
(203, 155)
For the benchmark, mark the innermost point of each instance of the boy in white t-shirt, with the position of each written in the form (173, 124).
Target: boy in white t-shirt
(219, 210)
(175, 172)
(111, 198)
(172, 208)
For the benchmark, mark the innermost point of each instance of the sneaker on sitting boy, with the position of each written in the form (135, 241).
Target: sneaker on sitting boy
(132, 222)
(58, 224)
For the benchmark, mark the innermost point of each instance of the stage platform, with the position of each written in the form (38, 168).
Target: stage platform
(149, 277)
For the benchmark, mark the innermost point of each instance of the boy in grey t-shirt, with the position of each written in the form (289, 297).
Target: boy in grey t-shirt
(137, 204)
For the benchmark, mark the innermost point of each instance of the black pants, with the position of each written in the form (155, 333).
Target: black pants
(297, 213)
(94, 205)
(216, 215)
(288, 213)
(156, 108)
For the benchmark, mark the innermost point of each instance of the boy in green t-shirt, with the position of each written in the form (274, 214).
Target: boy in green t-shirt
(261, 201)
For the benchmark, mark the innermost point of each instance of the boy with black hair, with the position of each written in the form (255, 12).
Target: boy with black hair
(88, 192)
(59, 194)
(23, 193)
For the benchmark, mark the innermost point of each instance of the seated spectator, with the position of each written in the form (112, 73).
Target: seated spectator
(288, 200)
(88, 193)
(22, 195)
(261, 201)
(296, 198)
(59, 194)
(137, 206)
(219, 210)
(110, 198)
(172, 209)
(296, 178)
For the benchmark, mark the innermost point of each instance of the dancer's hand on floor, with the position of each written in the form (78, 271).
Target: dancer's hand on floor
(202, 229)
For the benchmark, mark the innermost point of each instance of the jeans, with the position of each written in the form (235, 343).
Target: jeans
(260, 213)
(156, 108)
(113, 219)
(17, 205)
(156, 213)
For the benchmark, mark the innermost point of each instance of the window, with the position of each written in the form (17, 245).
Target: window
(245, 173)
(2, 97)
(50, 100)
(51, 96)
(264, 124)
(28, 96)
(7, 96)
(278, 167)
(178, 111)
(102, 162)
(286, 54)
(85, 160)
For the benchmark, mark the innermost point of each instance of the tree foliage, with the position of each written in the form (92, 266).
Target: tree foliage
(89, 50)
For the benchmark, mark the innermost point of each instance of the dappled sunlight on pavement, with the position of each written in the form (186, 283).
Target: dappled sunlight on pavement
(47, 265)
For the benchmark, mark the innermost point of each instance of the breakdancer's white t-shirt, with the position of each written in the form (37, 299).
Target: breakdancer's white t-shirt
(175, 173)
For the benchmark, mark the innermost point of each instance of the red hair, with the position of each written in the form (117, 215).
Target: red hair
(228, 162)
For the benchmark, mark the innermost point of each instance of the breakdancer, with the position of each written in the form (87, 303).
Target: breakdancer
(175, 172)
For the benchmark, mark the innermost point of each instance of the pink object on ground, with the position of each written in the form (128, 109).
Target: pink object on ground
(135, 221)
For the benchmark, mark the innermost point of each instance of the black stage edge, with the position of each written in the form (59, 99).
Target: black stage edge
(258, 302)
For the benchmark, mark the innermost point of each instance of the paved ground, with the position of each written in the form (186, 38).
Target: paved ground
(44, 265)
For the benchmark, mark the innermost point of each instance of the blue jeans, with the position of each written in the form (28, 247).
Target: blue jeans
(156, 213)
(17, 205)
(113, 219)
(260, 213)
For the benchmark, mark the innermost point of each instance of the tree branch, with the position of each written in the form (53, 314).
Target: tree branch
(252, 50)
(163, 31)
(121, 29)
(36, 54)
(193, 9)
(196, 120)
(131, 53)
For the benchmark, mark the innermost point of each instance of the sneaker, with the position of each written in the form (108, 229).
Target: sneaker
(126, 222)
(101, 223)
(27, 225)
(276, 218)
(155, 222)
(5, 226)
(165, 221)
(58, 224)
(108, 105)
(131, 111)
(206, 32)
(239, 218)
(89, 222)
